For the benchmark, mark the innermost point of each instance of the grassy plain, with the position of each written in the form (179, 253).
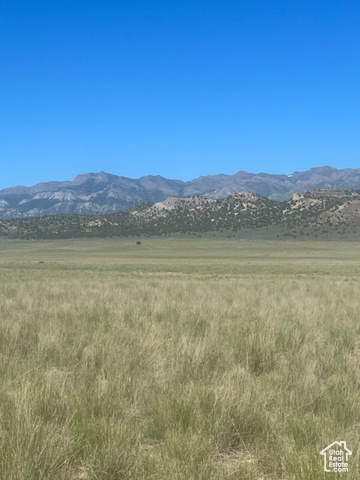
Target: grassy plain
(177, 359)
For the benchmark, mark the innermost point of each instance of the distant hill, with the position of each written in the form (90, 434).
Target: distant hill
(329, 214)
(102, 193)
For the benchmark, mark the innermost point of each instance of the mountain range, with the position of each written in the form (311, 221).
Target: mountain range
(102, 193)
(325, 214)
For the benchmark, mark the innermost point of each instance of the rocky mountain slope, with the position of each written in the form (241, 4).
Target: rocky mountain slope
(320, 213)
(102, 193)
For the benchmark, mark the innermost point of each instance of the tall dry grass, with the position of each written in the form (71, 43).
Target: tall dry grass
(109, 373)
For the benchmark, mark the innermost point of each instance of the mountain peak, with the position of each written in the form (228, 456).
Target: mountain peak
(81, 178)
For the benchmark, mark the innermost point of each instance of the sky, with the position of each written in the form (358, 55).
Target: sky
(177, 88)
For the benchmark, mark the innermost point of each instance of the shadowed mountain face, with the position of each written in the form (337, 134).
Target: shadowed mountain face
(102, 193)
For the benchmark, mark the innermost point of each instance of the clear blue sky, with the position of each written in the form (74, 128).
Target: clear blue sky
(177, 88)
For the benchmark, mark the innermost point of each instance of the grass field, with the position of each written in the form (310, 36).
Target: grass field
(178, 359)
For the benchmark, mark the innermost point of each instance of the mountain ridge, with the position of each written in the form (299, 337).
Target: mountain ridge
(326, 214)
(104, 193)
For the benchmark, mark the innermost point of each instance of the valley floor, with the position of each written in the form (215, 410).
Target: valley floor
(187, 359)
